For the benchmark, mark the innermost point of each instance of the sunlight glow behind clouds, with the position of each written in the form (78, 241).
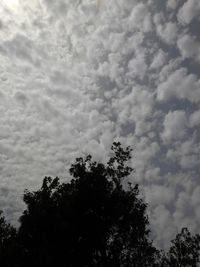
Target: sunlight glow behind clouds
(11, 5)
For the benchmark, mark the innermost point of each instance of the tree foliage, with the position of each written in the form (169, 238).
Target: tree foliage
(95, 220)
(90, 221)
(8, 243)
(185, 250)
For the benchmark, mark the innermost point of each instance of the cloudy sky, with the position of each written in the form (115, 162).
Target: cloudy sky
(77, 75)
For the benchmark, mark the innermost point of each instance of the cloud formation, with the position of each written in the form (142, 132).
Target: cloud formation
(77, 75)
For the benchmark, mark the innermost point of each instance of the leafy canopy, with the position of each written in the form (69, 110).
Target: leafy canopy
(92, 219)
(96, 219)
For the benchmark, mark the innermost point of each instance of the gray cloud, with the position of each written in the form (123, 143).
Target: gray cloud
(189, 11)
(189, 47)
(181, 85)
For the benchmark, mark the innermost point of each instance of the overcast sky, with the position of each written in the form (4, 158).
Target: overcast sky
(76, 75)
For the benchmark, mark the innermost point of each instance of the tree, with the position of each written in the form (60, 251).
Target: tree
(90, 221)
(185, 250)
(8, 243)
(97, 219)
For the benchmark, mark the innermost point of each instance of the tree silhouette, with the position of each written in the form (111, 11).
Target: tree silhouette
(97, 219)
(8, 243)
(185, 250)
(90, 221)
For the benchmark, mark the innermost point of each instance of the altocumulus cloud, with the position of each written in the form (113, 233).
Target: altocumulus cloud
(78, 74)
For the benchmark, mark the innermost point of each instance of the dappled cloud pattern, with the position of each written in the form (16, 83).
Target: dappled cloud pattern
(78, 74)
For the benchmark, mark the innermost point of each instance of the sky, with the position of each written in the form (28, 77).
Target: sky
(76, 75)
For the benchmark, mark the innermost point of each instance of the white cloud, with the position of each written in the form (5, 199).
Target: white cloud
(159, 59)
(168, 32)
(162, 219)
(185, 154)
(137, 67)
(195, 118)
(175, 126)
(180, 85)
(189, 11)
(160, 194)
(189, 47)
(169, 68)
(128, 112)
(187, 204)
(140, 18)
(172, 4)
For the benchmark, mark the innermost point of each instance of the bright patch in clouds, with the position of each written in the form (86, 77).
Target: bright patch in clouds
(11, 4)
(77, 75)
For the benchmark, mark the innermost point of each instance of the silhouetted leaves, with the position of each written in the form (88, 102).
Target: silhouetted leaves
(185, 250)
(92, 219)
(8, 243)
(95, 220)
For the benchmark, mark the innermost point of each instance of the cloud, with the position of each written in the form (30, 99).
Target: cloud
(22, 48)
(159, 59)
(189, 11)
(137, 67)
(185, 154)
(175, 126)
(168, 32)
(21, 98)
(160, 194)
(195, 118)
(172, 4)
(164, 224)
(189, 47)
(181, 85)
(140, 18)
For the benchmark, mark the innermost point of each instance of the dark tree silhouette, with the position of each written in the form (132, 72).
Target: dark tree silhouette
(90, 221)
(184, 251)
(97, 219)
(8, 243)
